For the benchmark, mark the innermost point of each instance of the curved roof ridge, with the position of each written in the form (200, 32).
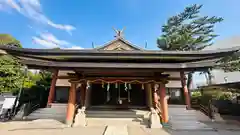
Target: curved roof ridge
(117, 39)
(155, 52)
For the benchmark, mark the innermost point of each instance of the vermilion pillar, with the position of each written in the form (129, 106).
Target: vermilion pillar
(164, 103)
(71, 104)
(185, 89)
(52, 88)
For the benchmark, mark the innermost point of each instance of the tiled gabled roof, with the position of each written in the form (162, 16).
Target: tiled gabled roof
(134, 47)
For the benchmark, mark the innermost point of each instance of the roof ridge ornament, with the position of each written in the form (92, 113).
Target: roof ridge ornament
(119, 33)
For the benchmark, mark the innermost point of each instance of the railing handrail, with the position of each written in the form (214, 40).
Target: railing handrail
(204, 109)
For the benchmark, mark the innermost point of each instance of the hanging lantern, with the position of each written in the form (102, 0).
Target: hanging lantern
(116, 85)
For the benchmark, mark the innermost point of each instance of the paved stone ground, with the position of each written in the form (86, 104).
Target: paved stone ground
(51, 127)
(46, 127)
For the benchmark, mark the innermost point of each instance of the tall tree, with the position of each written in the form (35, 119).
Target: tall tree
(188, 31)
(6, 39)
(230, 63)
(11, 73)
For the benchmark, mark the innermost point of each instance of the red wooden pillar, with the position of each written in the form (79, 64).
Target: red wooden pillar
(52, 88)
(71, 104)
(164, 103)
(185, 89)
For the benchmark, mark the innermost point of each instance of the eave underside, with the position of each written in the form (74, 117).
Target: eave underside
(118, 60)
(37, 64)
(232, 85)
(144, 56)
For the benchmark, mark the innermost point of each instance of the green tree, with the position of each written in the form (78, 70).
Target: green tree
(230, 63)
(6, 39)
(188, 31)
(11, 73)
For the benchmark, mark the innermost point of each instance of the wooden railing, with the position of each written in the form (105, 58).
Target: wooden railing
(204, 109)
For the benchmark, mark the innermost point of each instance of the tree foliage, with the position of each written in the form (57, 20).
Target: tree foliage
(188, 31)
(11, 73)
(6, 39)
(13, 76)
(230, 63)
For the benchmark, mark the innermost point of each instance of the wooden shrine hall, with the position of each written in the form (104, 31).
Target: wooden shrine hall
(116, 75)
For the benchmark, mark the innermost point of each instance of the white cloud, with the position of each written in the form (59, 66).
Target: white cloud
(48, 40)
(50, 37)
(45, 43)
(74, 47)
(33, 10)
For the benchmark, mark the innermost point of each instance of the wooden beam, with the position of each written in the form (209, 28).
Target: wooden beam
(144, 77)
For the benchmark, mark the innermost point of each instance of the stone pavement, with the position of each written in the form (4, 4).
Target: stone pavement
(46, 128)
(50, 127)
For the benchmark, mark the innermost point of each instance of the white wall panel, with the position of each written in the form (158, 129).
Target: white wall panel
(174, 84)
(63, 82)
(173, 74)
(64, 72)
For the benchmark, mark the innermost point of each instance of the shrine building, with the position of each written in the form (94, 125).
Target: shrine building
(118, 75)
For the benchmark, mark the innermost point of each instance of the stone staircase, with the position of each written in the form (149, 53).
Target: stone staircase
(116, 117)
(182, 119)
(56, 112)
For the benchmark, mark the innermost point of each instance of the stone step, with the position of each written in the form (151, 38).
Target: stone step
(113, 114)
(48, 113)
(112, 121)
(180, 118)
(116, 130)
(134, 130)
(55, 117)
(55, 105)
(52, 111)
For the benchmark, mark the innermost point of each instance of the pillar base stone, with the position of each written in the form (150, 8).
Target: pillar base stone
(68, 123)
(49, 106)
(80, 118)
(154, 119)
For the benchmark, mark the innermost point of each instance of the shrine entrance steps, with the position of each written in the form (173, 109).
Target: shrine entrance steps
(182, 119)
(108, 117)
(56, 112)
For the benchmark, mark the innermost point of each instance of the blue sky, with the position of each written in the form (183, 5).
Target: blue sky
(78, 23)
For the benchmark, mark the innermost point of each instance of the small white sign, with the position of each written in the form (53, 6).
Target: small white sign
(8, 103)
